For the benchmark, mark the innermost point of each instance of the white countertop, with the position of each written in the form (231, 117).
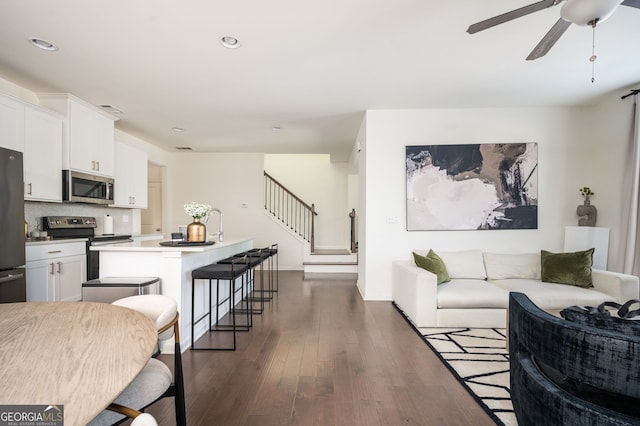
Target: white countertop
(154, 246)
(62, 241)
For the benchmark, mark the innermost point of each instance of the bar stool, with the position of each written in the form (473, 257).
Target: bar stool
(260, 255)
(155, 381)
(253, 260)
(273, 257)
(220, 272)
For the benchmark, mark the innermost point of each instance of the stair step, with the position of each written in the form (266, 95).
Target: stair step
(326, 252)
(330, 259)
(335, 262)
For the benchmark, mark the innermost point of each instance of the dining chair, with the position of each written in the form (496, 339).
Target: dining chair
(155, 381)
(139, 418)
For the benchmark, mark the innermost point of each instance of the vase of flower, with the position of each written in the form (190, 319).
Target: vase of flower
(196, 230)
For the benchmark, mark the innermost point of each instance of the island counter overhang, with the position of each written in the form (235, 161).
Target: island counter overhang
(173, 265)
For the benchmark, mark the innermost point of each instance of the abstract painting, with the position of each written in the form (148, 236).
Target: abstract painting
(472, 186)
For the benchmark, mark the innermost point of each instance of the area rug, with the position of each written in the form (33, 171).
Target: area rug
(479, 359)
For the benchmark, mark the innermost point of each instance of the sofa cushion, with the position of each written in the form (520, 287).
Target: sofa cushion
(553, 296)
(464, 264)
(432, 263)
(501, 266)
(567, 268)
(470, 293)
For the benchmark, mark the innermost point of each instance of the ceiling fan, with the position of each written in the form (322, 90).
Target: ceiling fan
(579, 12)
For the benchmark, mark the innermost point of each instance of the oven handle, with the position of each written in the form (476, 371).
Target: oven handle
(104, 243)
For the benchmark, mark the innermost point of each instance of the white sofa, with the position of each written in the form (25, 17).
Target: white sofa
(478, 292)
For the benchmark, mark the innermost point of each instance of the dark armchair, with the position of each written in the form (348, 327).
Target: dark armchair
(564, 373)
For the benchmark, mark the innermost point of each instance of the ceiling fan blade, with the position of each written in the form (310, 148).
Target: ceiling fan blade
(549, 39)
(632, 3)
(505, 17)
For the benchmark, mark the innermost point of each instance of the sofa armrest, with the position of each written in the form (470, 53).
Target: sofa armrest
(415, 291)
(621, 286)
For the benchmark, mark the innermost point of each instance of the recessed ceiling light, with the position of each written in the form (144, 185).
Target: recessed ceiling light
(179, 129)
(43, 44)
(229, 42)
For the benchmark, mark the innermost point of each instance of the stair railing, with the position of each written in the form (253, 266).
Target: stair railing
(354, 243)
(290, 209)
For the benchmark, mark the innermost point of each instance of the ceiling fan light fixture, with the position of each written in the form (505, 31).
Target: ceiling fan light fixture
(586, 12)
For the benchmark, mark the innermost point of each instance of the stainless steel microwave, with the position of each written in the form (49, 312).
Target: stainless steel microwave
(85, 188)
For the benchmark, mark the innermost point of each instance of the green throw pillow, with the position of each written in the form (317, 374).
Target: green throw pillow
(567, 268)
(432, 263)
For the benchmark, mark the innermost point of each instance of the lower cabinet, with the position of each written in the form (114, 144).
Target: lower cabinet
(55, 272)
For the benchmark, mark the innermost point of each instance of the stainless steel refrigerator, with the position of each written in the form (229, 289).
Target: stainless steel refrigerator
(12, 275)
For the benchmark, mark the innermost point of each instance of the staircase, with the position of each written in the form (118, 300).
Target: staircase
(298, 217)
(332, 264)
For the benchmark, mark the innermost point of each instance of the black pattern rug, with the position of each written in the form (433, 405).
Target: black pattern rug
(479, 359)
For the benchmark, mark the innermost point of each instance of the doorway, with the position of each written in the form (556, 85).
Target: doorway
(151, 217)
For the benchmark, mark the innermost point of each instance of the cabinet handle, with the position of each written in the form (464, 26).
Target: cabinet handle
(93, 164)
(134, 200)
(97, 166)
(59, 268)
(30, 186)
(54, 251)
(51, 268)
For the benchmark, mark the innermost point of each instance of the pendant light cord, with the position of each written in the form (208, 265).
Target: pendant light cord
(593, 51)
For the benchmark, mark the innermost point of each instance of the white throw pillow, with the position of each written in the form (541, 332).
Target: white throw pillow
(506, 266)
(464, 264)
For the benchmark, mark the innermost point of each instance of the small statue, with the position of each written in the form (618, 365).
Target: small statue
(587, 212)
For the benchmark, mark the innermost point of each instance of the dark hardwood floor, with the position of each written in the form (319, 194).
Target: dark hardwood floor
(320, 355)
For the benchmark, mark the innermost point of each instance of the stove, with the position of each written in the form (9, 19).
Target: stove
(66, 227)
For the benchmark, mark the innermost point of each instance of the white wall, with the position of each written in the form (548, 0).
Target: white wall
(227, 181)
(317, 180)
(570, 153)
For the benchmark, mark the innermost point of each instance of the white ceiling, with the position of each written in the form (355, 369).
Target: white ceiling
(310, 67)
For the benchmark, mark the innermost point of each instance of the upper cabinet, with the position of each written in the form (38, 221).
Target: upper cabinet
(36, 133)
(42, 156)
(130, 188)
(11, 124)
(88, 132)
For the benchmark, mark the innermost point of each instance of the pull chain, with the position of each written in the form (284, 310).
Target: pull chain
(593, 57)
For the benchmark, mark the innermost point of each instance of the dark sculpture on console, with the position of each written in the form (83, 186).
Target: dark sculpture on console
(587, 212)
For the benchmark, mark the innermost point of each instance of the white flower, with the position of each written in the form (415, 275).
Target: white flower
(197, 211)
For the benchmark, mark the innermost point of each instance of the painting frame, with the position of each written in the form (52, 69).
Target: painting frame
(490, 186)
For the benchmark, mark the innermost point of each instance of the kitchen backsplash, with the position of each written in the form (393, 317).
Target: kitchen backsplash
(125, 221)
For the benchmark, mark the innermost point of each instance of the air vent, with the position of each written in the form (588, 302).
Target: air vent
(111, 109)
(183, 148)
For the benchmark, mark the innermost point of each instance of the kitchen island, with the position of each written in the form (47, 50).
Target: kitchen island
(173, 265)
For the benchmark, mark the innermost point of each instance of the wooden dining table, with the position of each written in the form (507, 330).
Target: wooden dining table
(79, 355)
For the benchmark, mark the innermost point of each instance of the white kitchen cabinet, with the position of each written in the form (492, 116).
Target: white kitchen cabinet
(11, 123)
(130, 188)
(42, 156)
(88, 132)
(55, 271)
